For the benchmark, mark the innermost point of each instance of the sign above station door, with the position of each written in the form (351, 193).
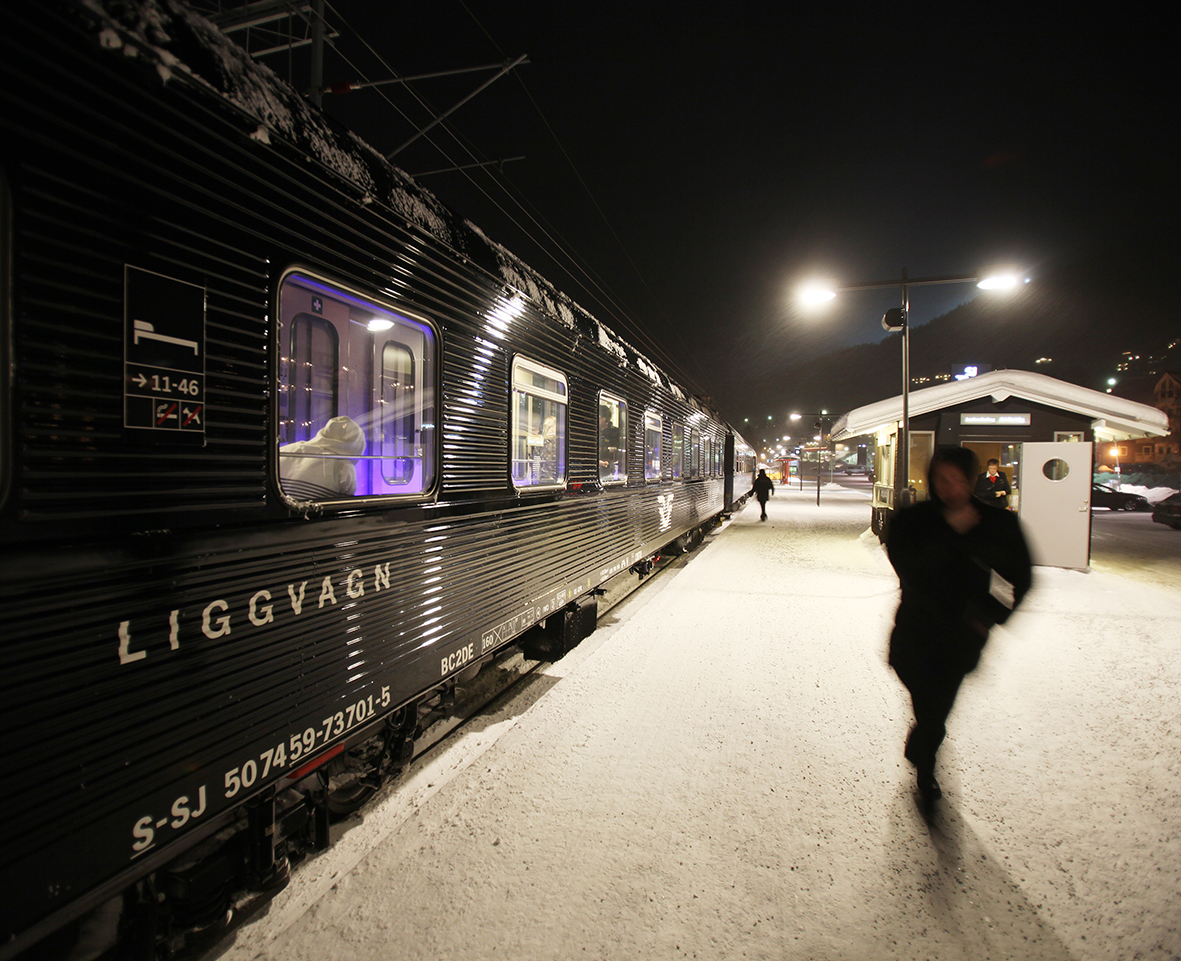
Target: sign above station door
(163, 357)
(996, 420)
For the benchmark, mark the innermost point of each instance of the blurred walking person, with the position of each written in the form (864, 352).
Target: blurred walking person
(964, 566)
(763, 488)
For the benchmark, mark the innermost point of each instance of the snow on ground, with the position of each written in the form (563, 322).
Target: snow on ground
(717, 773)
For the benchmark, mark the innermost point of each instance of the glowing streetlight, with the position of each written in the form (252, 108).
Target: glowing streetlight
(898, 318)
(815, 293)
(812, 294)
(1000, 282)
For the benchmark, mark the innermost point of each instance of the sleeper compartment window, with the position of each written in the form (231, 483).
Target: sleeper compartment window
(612, 439)
(538, 438)
(356, 397)
(653, 435)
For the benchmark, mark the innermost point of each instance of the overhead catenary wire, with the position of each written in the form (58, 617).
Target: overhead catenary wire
(574, 265)
(550, 233)
(605, 297)
(614, 235)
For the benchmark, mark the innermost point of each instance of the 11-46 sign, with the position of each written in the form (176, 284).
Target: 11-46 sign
(164, 356)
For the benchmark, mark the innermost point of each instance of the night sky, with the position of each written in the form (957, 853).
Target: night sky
(687, 164)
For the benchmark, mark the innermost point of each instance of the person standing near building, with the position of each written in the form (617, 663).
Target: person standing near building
(763, 488)
(992, 486)
(963, 567)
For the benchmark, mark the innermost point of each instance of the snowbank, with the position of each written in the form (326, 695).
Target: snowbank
(1154, 494)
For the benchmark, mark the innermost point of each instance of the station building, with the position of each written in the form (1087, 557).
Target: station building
(1001, 414)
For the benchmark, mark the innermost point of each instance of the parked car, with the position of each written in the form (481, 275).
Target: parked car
(1168, 512)
(1103, 496)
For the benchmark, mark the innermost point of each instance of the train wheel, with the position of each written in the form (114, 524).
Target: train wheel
(349, 799)
(687, 542)
(353, 778)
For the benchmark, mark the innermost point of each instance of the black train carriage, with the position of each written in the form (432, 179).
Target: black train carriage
(286, 445)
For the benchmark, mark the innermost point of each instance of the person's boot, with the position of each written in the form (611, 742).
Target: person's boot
(928, 787)
(929, 793)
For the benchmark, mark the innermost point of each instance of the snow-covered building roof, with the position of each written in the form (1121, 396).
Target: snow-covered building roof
(1112, 418)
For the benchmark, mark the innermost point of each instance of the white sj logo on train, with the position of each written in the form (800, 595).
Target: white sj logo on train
(664, 503)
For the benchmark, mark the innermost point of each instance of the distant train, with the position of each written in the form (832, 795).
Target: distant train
(285, 446)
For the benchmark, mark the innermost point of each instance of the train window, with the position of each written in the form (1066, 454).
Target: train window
(315, 385)
(356, 395)
(397, 430)
(539, 425)
(717, 469)
(677, 451)
(612, 439)
(653, 437)
(694, 453)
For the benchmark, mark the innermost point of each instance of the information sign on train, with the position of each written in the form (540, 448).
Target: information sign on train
(164, 356)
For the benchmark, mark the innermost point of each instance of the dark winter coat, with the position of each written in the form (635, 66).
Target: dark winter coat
(763, 488)
(986, 489)
(947, 608)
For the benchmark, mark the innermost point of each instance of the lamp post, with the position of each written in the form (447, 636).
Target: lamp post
(819, 425)
(1119, 482)
(898, 318)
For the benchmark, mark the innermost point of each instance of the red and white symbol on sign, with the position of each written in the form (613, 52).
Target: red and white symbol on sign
(191, 416)
(165, 412)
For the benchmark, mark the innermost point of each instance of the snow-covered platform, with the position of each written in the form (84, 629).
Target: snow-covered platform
(717, 773)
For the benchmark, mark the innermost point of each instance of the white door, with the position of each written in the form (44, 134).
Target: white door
(1055, 503)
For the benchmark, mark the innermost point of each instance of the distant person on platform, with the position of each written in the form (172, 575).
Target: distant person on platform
(963, 566)
(992, 486)
(762, 490)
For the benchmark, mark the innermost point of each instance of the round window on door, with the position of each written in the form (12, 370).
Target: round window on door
(1056, 469)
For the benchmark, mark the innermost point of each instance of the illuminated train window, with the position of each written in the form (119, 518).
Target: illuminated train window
(612, 439)
(397, 430)
(653, 437)
(356, 395)
(538, 438)
(694, 453)
(676, 461)
(315, 385)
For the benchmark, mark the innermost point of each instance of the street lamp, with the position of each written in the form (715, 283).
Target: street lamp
(898, 318)
(819, 425)
(1119, 482)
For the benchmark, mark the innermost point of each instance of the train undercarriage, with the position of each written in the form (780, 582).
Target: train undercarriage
(184, 908)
